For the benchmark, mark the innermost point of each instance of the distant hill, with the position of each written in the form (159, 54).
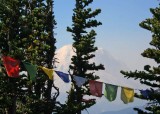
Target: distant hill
(124, 111)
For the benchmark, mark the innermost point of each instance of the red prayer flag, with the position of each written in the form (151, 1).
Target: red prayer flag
(12, 66)
(95, 88)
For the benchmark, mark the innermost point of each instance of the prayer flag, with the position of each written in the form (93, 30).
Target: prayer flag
(63, 76)
(145, 93)
(79, 80)
(12, 66)
(95, 88)
(110, 92)
(127, 95)
(49, 72)
(32, 70)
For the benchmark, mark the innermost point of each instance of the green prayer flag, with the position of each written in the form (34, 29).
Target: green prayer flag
(32, 70)
(110, 92)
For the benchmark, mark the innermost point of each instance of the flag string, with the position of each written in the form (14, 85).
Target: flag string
(32, 71)
(49, 73)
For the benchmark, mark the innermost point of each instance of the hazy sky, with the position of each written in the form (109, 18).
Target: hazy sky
(120, 33)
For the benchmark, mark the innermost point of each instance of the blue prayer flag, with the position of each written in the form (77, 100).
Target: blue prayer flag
(63, 76)
(79, 80)
(146, 93)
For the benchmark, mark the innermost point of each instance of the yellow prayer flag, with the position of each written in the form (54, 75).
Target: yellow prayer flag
(127, 95)
(49, 72)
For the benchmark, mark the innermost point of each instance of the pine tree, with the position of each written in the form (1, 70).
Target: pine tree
(26, 34)
(9, 14)
(83, 46)
(150, 76)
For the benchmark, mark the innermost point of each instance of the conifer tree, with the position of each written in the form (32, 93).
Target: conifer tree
(84, 47)
(26, 34)
(150, 76)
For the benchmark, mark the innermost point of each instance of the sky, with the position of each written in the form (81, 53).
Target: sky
(120, 33)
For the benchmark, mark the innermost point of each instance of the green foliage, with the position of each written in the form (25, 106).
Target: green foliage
(84, 39)
(150, 76)
(26, 33)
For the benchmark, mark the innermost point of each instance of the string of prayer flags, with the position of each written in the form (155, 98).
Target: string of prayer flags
(79, 80)
(12, 66)
(32, 70)
(63, 76)
(127, 95)
(95, 88)
(49, 72)
(110, 92)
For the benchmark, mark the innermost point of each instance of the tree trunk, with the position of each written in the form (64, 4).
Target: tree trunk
(12, 108)
(79, 99)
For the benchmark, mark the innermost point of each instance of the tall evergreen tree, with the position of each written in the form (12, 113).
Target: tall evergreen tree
(26, 34)
(84, 48)
(150, 76)
(9, 27)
